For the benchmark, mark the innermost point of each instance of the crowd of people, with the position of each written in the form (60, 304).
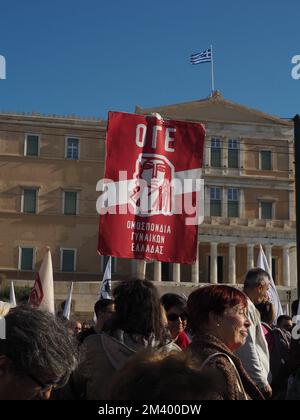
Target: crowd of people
(220, 343)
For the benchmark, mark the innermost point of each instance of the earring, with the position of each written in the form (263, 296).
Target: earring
(218, 325)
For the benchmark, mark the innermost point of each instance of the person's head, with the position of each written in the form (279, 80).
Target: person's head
(175, 307)
(77, 327)
(104, 310)
(267, 312)
(4, 308)
(36, 356)
(138, 310)
(285, 322)
(85, 326)
(157, 376)
(256, 285)
(221, 311)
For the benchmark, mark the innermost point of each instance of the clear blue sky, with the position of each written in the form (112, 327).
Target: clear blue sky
(89, 57)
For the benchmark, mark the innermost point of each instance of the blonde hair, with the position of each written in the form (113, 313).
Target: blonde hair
(4, 308)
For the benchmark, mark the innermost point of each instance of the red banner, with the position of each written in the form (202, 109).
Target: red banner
(149, 199)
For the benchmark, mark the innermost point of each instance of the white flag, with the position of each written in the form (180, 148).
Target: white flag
(42, 294)
(272, 292)
(105, 288)
(298, 315)
(68, 303)
(12, 296)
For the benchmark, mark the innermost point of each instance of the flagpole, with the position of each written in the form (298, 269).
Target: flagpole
(212, 71)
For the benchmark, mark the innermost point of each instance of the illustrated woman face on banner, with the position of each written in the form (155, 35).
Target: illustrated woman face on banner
(157, 176)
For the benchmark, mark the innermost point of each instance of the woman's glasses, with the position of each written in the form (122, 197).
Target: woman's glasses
(175, 317)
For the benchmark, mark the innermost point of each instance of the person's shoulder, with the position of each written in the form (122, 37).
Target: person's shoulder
(93, 340)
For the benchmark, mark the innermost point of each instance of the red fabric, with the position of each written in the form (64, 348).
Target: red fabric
(152, 153)
(183, 340)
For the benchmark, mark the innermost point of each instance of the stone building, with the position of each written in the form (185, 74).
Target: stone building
(50, 166)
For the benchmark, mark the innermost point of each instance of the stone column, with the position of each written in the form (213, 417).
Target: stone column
(224, 202)
(269, 255)
(157, 271)
(250, 256)
(141, 269)
(214, 262)
(241, 204)
(241, 157)
(232, 264)
(224, 154)
(286, 266)
(176, 273)
(207, 154)
(206, 200)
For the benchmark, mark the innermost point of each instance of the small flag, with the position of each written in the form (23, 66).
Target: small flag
(68, 303)
(105, 288)
(203, 57)
(12, 296)
(298, 314)
(42, 294)
(272, 292)
(105, 291)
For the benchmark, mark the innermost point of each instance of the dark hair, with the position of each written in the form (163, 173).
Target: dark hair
(137, 309)
(283, 318)
(208, 299)
(157, 376)
(267, 312)
(294, 307)
(169, 300)
(101, 305)
(38, 344)
(255, 277)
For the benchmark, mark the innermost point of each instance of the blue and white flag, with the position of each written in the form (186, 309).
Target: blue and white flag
(68, 304)
(203, 57)
(272, 292)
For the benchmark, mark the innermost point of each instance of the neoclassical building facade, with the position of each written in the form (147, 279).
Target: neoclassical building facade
(50, 166)
(249, 193)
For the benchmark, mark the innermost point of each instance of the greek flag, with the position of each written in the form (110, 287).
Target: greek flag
(203, 57)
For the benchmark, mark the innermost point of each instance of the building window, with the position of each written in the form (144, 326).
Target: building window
(113, 264)
(68, 260)
(233, 153)
(26, 259)
(70, 202)
(31, 145)
(72, 148)
(266, 210)
(233, 202)
(266, 160)
(29, 200)
(215, 153)
(215, 201)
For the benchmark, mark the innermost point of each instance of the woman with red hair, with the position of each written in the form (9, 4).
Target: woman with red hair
(218, 317)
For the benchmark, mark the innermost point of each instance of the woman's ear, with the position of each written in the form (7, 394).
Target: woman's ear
(214, 319)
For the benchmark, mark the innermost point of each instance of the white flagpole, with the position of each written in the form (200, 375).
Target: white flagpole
(212, 71)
